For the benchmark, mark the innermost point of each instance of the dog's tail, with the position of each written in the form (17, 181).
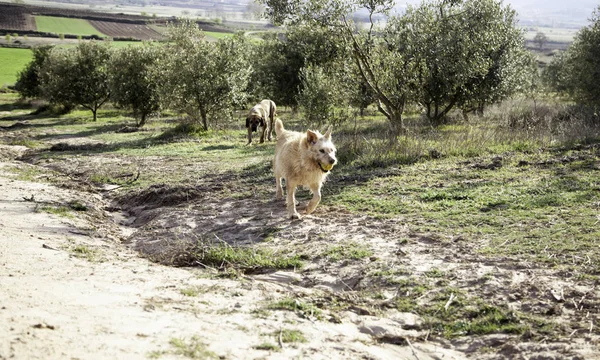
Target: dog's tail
(278, 127)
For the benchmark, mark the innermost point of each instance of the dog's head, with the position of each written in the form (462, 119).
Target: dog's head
(254, 121)
(322, 149)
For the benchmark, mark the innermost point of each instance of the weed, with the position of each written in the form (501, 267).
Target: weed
(305, 309)
(353, 250)
(193, 348)
(267, 347)
(192, 291)
(291, 336)
(57, 210)
(223, 256)
(85, 252)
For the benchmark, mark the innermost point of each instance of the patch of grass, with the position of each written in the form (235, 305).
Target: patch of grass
(267, 346)
(85, 252)
(27, 173)
(291, 336)
(78, 206)
(352, 250)
(223, 256)
(12, 61)
(192, 348)
(61, 25)
(57, 210)
(192, 291)
(305, 309)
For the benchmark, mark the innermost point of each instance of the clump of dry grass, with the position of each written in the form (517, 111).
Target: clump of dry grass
(520, 125)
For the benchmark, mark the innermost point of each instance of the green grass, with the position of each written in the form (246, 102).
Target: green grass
(11, 62)
(305, 309)
(291, 336)
(192, 348)
(218, 35)
(61, 25)
(352, 250)
(225, 256)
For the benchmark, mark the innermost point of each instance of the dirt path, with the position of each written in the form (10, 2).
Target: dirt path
(67, 292)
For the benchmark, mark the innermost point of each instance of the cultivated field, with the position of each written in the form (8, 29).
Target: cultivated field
(471, 240)
(61, 25)
(11, 62)
(136, 31)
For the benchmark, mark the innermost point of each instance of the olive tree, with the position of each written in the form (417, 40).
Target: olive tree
(442, 54)
(577, 70)
(467, 53)
(385, 71)
(28, 81)
(134, 82)
(78, 76)
(204, 79)
(278, 60)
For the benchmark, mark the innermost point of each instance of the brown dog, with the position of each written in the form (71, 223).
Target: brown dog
(262, 114)
(302, 159)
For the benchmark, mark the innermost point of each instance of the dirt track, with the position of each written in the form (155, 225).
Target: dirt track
(58, 302)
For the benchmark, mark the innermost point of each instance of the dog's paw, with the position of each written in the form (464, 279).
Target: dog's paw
(295, 216)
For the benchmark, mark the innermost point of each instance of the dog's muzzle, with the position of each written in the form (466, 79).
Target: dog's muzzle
(254, 127)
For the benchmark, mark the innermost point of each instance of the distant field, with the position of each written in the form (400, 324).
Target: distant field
(11, 62)
(61, 25)
(554, 34)
(217, 35)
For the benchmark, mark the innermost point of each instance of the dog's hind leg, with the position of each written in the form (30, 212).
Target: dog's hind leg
(312, 204)
(291, 199)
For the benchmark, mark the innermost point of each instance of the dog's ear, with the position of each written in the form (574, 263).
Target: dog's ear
(311, 137)
(247, 122)
(328, 133)
(262, 121)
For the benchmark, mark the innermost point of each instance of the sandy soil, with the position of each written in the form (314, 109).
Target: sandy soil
(59, 302)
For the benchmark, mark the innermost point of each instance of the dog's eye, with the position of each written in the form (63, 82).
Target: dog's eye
(322, 151)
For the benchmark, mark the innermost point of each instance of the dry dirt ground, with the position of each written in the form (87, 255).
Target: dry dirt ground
(77, 288)
(71, 290)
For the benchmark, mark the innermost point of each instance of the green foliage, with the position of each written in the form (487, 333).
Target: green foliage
(28, 82)
(576, 71)
(466, 54)
(204, 79)
(134, 80)
(540, 39)
(78, 76)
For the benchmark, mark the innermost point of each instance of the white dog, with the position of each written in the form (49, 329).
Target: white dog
(302, 159)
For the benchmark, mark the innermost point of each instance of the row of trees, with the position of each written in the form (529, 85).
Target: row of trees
(441, 55)
(188, 74)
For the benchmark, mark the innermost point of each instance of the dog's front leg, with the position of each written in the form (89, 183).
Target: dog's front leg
(262, 136)
(291, 199)
(279, 188)
(249, 135)
(312, 204)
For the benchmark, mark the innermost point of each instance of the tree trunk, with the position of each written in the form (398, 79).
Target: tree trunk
(204, 121)
(142, 119)
(95, 111)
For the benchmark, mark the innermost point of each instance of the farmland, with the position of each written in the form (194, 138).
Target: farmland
(116, 30)
(11, 62)
(60, 25)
